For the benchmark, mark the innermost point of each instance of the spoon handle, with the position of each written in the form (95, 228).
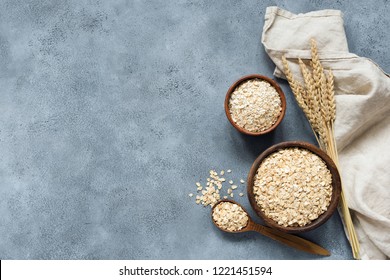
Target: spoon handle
(290, 240)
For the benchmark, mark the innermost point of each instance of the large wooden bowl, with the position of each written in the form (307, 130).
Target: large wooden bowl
(237, 83)
(336, 187)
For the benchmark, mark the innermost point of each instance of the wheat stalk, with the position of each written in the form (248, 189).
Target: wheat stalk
(317, 100)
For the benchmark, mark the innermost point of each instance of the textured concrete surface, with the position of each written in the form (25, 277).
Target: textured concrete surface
(112, 110)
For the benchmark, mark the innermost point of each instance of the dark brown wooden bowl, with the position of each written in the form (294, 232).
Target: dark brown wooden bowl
(260, 77)
(336, 187)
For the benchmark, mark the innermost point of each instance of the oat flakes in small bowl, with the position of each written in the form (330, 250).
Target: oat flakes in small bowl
(255, 105)
(294, 187)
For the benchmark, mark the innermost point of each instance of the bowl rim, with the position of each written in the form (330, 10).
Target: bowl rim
(336, 186)
(249, 77)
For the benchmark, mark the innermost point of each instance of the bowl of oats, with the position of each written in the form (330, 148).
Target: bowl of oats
(294, 187)
(255, 105)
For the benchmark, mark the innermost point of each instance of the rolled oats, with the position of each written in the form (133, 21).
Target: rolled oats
(230, 216)
(255, 105)
(293, 187)
(212, 193)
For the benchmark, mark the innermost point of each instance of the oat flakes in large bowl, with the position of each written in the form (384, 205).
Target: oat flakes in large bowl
(294, 186)
(255, 105)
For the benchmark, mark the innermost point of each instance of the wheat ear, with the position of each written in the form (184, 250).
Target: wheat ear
(300, 95)
(314, 103)
(316, 65)
(331, 103)
(295, 86)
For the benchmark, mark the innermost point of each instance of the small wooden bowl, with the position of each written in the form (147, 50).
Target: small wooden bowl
(260, 77)
(336, 187)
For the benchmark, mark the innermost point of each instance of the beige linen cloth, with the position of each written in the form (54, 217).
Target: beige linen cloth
(362, 126)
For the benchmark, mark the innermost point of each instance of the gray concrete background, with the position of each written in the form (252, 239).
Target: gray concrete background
(112, 110)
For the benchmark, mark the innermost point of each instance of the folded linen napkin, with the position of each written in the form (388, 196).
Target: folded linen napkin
(362, 126)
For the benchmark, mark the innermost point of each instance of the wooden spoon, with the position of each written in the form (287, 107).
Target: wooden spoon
(285, 238)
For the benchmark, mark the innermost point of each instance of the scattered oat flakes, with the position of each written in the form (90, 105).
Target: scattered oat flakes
(241, 194)
(230, 216)
(242, 181)
(211, 193)
(191, 195)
